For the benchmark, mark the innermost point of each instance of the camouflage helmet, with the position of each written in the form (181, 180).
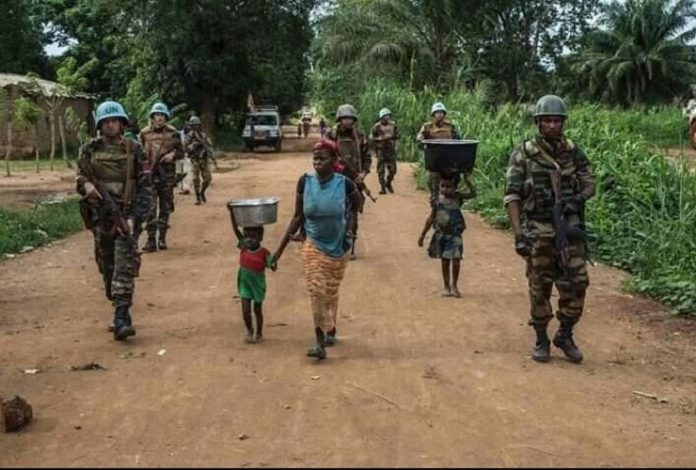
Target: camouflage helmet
(110, 109)
(194, 121)
(160, 108)
(346, 110)
(384, 112)
(550, 105)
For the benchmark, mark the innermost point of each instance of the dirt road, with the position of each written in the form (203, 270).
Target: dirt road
(416, 380)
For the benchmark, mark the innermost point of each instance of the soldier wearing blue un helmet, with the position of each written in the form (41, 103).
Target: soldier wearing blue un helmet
(163, 146)
(113, 178)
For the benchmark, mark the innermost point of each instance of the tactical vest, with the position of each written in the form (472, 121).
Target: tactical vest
(443, 131)
(158, 143)
(386, 132)
(114, 165)
(539, 195)
(349, 147)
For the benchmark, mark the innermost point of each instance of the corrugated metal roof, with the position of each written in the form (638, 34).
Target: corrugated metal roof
(47, 87)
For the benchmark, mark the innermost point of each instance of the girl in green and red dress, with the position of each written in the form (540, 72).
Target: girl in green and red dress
(251, 278)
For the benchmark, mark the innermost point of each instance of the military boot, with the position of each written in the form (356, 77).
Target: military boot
(564, 341)
(151, 244)
(203, 188)
(383, 187)
(162, 242)
(390, 188)
(198, 198)
(123, 325)
(542, 347)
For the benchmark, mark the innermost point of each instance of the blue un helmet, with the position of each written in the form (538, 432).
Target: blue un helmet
(160, 108)
(110, 109)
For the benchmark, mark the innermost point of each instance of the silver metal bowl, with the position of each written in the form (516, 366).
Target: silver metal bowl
(254, 212)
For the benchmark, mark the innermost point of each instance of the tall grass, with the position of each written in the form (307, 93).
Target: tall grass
(644, 215)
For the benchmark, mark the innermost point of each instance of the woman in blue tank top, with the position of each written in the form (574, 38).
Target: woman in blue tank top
(324, 207)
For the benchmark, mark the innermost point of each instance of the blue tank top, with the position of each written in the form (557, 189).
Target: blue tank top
(325, 214)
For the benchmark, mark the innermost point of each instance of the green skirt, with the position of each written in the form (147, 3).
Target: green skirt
(251, 285)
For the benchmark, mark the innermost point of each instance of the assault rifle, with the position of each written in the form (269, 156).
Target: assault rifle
(110, 209)
(563, 231)
(343, 168)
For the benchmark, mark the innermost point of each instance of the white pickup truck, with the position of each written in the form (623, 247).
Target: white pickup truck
(263, 128)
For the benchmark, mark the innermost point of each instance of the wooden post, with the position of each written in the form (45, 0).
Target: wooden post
(35, 134)
(52, 121)
(8, 150)
(61, 130)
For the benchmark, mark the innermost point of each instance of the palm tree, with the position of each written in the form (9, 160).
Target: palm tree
(398, 38)
(642, 54)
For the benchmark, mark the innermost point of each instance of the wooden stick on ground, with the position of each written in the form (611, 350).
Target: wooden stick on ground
(375, 394)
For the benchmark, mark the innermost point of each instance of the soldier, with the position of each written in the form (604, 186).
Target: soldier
(535, 167)
(437, 128)
(112, 169)
(323, 128)
(385, 134)
(162, 144)
(354, 151)
(198, 149)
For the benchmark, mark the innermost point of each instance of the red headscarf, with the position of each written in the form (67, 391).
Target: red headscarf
(325, 144)
(329, 146)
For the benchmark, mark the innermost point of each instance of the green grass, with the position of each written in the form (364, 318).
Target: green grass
(36, 227)
(643, 217)
(28, 166)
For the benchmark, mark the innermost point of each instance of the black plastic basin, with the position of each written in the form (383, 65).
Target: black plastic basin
(450, 156)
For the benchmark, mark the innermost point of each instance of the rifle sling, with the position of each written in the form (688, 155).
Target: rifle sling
(130, 176)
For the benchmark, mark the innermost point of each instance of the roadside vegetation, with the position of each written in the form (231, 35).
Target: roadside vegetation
(643, 218)
(43, 224)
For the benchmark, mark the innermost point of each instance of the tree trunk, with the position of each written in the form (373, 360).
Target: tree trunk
(208, 113)
(52, 122)
(8, 150)
(63, 143)
(35, 134)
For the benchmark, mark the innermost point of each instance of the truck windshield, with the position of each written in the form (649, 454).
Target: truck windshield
(262, 120)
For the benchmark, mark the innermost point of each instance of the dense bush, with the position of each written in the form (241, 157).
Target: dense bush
(643, 218)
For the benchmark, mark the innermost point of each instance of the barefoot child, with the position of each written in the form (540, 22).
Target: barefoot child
(447, 219)
(251, 278)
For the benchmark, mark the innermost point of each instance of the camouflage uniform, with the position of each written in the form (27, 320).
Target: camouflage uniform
(528, 181)
(354, 150)
(157, 143)
(112, 164)
(195, 145)
(433, 130)
(385, 137)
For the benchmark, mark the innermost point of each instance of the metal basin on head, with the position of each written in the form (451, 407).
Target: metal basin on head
(254, 212)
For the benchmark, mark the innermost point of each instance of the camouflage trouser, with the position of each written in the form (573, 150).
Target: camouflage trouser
(543, 272)
(114, 257)
(201, 168)
(386, 167)
(162, 206)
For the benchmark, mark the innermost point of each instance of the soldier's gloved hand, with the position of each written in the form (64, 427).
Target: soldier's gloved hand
(523, 246)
